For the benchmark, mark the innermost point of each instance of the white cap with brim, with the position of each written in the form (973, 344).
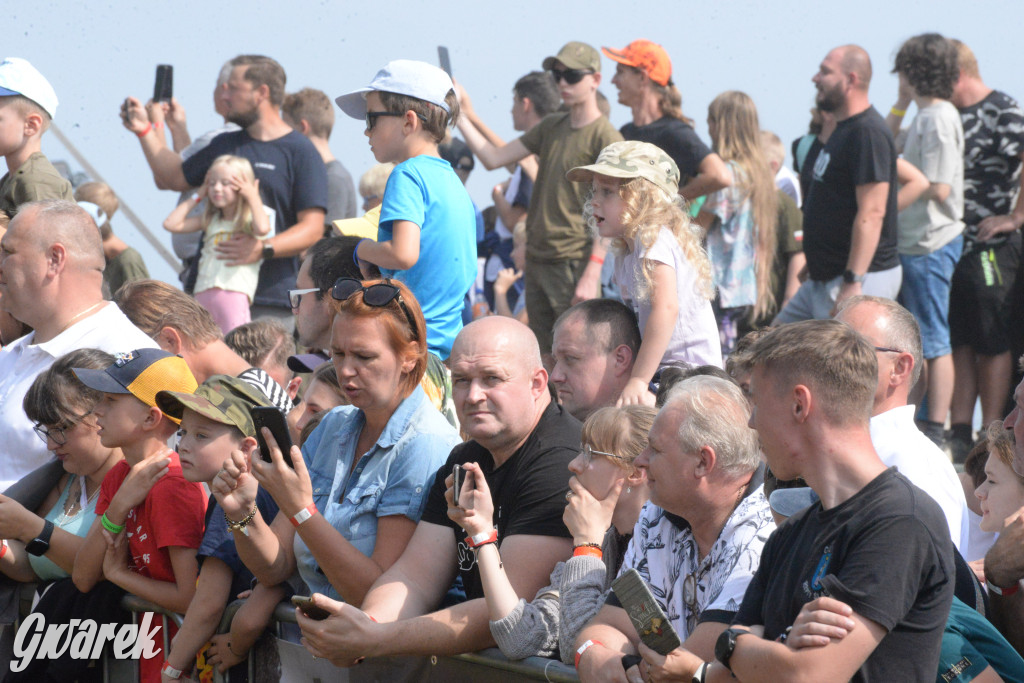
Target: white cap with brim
(18, 77)
(403, 77)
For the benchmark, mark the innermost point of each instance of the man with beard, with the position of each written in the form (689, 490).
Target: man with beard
(292, 177)
(850, 211)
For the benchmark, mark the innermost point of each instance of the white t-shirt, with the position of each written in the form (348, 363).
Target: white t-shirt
(21, 450)
(695, 339)
(665, 554)
(902, 445)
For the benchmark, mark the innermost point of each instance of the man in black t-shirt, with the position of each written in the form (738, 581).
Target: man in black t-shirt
(850, 209)
(643, 75)
(873, 541)
(292, 176)
(523, 443)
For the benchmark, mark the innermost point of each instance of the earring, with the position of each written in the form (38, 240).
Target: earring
(629, 489)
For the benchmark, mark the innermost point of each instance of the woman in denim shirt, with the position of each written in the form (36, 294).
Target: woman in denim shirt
(351, 503)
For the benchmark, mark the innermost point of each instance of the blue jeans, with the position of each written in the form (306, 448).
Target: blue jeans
(815, 298)
(925, 293)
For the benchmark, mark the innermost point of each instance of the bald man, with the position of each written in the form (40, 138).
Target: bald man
(850, 209)
(523, 443)
(51, 279)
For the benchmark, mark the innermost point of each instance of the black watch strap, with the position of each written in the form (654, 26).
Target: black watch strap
(268, 250)
(41, 543)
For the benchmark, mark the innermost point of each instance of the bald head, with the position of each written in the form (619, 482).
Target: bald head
(500, 335)
(56, 221)
(855, 60)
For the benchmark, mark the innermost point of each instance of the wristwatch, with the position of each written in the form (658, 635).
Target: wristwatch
(726, 644)
(849, 277)
(41, 543)
(268, 250)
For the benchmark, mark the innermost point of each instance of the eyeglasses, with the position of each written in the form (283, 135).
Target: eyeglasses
(588, 454)
(570, 76)
(378, 295)
(885, 349)
(56, 434)
(372, 116)
(295, 295)
(690, 600)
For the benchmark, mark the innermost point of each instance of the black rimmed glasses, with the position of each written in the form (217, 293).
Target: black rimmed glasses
(378, 295)
(588, 454)
(56, 434)
(372, 116)
(570, 76)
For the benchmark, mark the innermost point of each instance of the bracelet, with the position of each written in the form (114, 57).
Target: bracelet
(355, 252)
(701, 674)
(158, 125)
(170, 671)
(142, 134)
(482, 538)
(587, 550)
(302, 515)
(784, 636)
(3, 548)
(596, 259)
(110, 526)
(242, 523)
(898, 112)
(583, 648)
(992, 588)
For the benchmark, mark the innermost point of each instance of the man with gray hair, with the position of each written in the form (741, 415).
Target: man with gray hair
(51, 279)
(698, 542)
(894, 333)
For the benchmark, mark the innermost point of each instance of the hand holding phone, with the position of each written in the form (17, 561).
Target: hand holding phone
(163, 88)
(305, 603)
(650, 621)
(273, 419)
(458, 479)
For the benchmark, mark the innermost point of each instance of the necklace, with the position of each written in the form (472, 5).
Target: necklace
(78, 501)
(80, 315)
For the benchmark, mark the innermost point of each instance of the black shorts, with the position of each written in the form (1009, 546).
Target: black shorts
(981, 297)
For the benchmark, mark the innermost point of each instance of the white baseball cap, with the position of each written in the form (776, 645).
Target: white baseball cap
(403, 77)
(18, 77)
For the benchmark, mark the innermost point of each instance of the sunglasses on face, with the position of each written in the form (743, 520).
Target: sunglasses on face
(570, 76)
(378, 295)
(372, 116)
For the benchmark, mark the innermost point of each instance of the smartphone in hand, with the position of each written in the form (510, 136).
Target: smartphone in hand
(444, 60)
(305, 603)
(458, 478)
(650, 621)
(273, 419)
(163, 88)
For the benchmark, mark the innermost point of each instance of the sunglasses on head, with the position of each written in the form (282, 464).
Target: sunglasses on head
(378, 295)
(570, 76)
(372, 116)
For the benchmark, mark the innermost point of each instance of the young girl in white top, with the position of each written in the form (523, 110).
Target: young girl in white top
(662, 270)
(233, 205)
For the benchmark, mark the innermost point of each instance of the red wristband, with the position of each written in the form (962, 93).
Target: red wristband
(583, 648)
(475, 542)
(3, 548)
(992, 588)
(149, 127)
(597, 259)
(302, 515)
(582, 550)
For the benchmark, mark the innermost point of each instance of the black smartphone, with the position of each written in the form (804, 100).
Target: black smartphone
(273, 419)
(442, 57)
(650, 621)
(458, 477)
(305, 603)
(163, 89)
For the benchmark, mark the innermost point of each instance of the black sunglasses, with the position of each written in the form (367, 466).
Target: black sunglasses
(378, 295)
(372, 116)
(570, 76)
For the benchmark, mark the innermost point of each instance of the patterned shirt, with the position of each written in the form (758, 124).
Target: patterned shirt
(993, 143)
(731, 242)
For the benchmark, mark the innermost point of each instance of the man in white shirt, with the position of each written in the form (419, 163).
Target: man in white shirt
(894, 333)
(51, 278)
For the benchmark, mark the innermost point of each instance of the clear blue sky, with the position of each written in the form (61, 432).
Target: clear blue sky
(95, 54)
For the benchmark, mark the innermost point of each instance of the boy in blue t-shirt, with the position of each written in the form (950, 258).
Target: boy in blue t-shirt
(427, 232)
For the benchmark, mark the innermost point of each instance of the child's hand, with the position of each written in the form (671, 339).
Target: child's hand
(141, 478)
(249, 190)
(636, 392)
(234, 486)
(586, 517)
(115, 559)
(221, 655)
(475, 510)
(290, 487)
(506, 278)
(500, 189)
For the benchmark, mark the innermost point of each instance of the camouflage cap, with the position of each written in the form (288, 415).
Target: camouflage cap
(631, 159)
(221, 398)
(575, 55)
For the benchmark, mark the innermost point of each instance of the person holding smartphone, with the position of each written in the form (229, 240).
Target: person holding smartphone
(351, 503)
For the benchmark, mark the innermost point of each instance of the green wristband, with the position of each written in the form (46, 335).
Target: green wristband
(110, 526)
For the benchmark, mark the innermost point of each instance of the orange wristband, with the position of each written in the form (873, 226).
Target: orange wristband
(597, 259)
(149, 127)
(587, 550)
(302, 515)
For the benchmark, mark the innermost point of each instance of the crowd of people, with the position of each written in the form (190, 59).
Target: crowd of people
(454, 429)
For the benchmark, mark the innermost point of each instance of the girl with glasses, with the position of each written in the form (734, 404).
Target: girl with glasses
(606, 494)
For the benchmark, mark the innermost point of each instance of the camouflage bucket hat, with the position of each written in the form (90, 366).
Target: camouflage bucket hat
(631, 159)
(221, 398)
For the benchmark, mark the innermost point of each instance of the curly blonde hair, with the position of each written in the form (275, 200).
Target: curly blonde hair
(647, 210)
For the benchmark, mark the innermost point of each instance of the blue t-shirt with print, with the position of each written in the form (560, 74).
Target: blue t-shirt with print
(425, 190)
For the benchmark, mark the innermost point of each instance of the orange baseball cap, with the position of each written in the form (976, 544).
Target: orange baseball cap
(649, 57)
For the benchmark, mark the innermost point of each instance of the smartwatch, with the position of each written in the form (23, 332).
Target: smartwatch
(849, 277)
(726, 644)
(41, 543)
(268, 250)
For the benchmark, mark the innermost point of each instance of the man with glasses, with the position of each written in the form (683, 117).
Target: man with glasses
(894, 333)
(563, 261)
(325, 262)
(698, 541)
(51, 278)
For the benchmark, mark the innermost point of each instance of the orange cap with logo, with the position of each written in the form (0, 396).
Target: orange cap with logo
(649, 57)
